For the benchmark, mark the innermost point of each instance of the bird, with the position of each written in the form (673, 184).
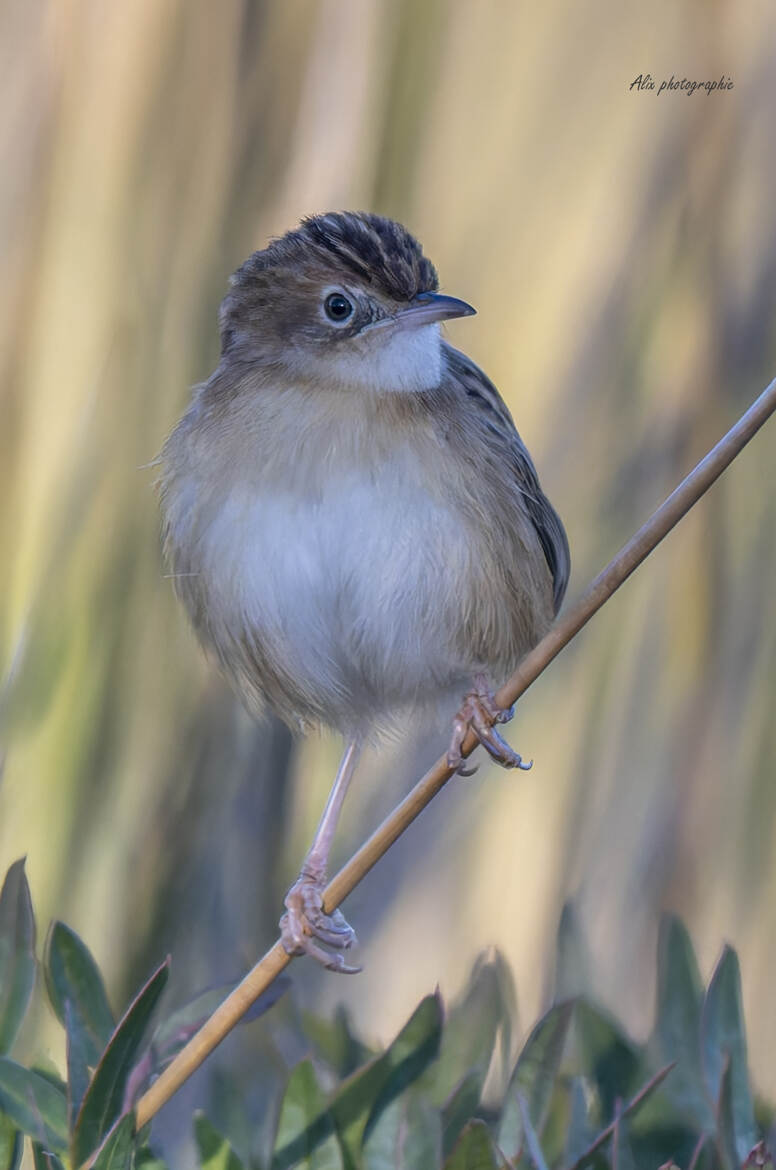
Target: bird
(350, 517)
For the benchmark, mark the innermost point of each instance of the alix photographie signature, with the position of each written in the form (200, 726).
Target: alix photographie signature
(645, 81)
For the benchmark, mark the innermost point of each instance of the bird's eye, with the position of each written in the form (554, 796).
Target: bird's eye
(338, 307)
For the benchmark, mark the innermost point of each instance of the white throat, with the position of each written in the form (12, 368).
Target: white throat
(396, 360)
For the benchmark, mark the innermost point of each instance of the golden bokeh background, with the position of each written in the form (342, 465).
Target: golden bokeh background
(620, 247)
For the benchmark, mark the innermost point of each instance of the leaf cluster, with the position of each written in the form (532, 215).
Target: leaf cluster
(448, 1092)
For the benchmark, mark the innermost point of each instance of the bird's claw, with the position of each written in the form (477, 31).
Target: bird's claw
(480, 713)
(305, 922)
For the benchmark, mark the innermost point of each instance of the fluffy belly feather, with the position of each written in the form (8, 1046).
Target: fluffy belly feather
(337, 608)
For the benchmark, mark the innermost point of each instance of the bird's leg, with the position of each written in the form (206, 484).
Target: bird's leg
(479, 713)
(305, 920)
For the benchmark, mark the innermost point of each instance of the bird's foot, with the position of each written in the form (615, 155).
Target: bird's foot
(479, 713)
(305, 922)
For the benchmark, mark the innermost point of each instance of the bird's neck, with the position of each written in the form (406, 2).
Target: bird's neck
(272, 430)
(382, 362)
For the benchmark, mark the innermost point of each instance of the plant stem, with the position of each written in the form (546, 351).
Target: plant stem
(620, 1113)
(567, 627)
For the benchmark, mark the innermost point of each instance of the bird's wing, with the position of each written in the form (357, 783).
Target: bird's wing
(483, 394)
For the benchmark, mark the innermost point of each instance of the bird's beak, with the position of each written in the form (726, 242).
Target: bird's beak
(429, 307)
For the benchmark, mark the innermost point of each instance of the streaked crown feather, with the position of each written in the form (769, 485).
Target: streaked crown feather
(379, 251)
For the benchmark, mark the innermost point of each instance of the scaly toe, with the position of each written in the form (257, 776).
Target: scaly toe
(305, 922)
(342, 938)
(479, 713)
(500, 751)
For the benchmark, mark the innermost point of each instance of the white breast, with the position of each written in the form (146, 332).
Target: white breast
(345, 591)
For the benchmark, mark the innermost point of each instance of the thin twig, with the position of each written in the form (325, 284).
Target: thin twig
(612, 1127)
(697, 1151)
(616, 1134)
(567, 627)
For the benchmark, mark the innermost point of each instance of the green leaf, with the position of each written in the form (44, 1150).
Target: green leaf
(44, 1069)
(644, 1094)
(580, 1132)
(234, 1116)
(72, 974)
(11, 1144)
(104, 1098)
(604, 1052)
(335, 1041)
(146, 1159)
(470, 1030)
(533, 1079)
(622, 1154)
(535, 1152)
(475, 1150)
(727, 1144)
(77, 994)
(81, 1061)
(724, 1043)
(406, 1136)
(44, 1159)
(460, 1108)
(572, 962)
(215, 1153)
(118, 1147)
(363, 1096)
(678, 1021)
(306, 1132)
(17, 953)
(35, 1106)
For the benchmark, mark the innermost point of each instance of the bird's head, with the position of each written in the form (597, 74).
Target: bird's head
(346, 299)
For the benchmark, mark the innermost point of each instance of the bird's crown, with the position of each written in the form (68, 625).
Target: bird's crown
(379, 251)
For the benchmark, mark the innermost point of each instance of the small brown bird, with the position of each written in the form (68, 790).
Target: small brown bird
(350, 516)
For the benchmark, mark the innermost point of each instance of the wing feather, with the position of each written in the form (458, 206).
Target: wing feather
(496, 417)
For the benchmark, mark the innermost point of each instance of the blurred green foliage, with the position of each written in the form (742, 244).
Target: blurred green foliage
(580, 1093)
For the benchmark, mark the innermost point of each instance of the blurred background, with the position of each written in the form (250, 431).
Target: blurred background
(621, 251)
